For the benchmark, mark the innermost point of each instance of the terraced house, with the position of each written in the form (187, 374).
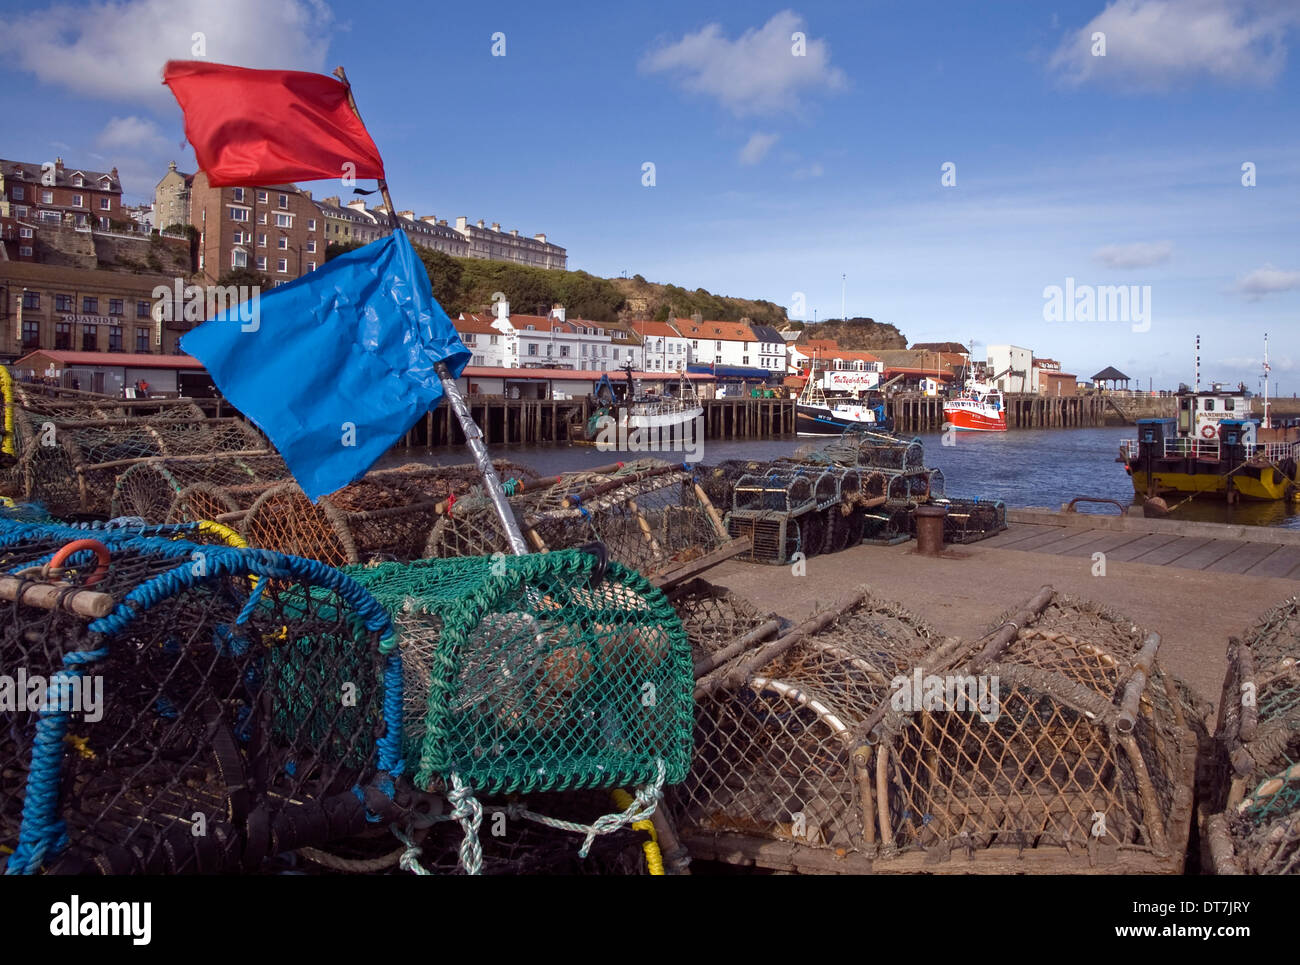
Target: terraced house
(50, 193)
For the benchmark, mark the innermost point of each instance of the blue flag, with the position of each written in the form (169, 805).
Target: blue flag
(336, 366)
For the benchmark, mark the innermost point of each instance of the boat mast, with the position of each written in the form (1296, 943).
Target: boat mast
(1198, 364)
(1267, 424)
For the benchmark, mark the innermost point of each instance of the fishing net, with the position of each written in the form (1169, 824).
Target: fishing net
(536, 673)
(182, 490)
(970, 520)
(1258, 787)
(1055, 744)
(651, 517)
(208, 707)
(875, 450)
(719, 623)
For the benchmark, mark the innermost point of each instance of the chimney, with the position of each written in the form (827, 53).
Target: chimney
(406, 214)
(697, 318)
(442, 223)
(113, 174)
(480, 222)
(306, 194)
(331, 200)
(429, 219)
(496, 226)
(462, 223)
(357, 205)
(171, 165)
(58, 164)
(541, 238)
(514, 232)
(557, 312)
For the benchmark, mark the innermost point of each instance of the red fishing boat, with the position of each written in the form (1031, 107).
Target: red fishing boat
(978, 409)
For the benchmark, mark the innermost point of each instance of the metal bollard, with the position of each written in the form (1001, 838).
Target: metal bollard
(929, 529)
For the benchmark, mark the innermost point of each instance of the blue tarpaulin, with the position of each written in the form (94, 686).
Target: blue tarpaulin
(336, 366)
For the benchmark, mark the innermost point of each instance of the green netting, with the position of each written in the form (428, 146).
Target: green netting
(533, 673)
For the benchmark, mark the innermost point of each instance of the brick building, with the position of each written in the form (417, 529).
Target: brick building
(51, 193)
(276, 230)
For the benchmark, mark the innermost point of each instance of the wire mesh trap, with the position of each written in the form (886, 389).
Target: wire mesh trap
(1053, 744)
(1256, 829)
(537, 672)
(651, 516)
(167, 490)
(203, 709)
(70, 461)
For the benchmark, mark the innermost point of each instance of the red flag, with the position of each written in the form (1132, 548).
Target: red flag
(270, 126)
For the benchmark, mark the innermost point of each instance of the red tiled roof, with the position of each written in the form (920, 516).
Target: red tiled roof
(719, 331)
(129, 359)
(489, 372)
(644, 327)
(478, 324)
(926, 373)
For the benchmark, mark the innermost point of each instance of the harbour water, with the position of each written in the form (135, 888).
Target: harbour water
(1031, 467)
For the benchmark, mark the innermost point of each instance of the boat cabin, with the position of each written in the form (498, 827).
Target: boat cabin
(1199, 413)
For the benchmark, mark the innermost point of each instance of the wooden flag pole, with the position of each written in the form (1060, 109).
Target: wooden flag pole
(473, 436)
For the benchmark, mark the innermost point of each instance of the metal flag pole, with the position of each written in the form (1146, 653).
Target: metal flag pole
(473, 437)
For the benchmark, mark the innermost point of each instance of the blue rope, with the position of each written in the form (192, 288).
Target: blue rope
(390, 745)
(42, 829)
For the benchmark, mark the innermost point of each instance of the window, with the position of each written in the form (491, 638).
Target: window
(238, 214)
(115, 338)
(261, 240)
(282, 265)
(19, 194)
(142, 340)
(20, 211)
(89, 338)
(141, 309)
(550, 350)
(1209, 405)
(238, 194)
(1228, 405)
(31, 334)
(115, 306)
(311, 266)
(717, 346)
(476, 360)
(311, 225)
(105, 204)
(564, 351)
(311, 247)
(261, 262)
(78, 182)
(261, 197)
(282, 243)
(31, 299)
(76, 201)
(284, 221)
(63, 303)
(492, 339)
(261, 218)
(615, 355)
(467, 338)
(238, 259)
(532, 349)
(47, 197)
(284, 201)
(50, 216)
(89, 305)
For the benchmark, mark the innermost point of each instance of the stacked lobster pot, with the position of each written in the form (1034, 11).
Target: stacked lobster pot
(1255, 825)
(861, 741)
(202, 708)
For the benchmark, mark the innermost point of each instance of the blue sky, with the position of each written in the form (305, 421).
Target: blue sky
(776, 173)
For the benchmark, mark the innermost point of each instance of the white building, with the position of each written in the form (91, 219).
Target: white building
(1011, 368)
(720, 343)
(491, 342)
(552, 341)
(626, 346)
(663, 347)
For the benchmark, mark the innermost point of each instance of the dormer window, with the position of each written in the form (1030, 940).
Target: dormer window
(78, 182)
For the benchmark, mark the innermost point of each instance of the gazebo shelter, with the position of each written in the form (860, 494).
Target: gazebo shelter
(1112, 375)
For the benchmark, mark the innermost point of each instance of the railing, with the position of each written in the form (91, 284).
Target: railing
(1186, 447)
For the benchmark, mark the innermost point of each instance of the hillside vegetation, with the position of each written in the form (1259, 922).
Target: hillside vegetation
(858, 334)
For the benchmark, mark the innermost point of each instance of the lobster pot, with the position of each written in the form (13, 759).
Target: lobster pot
(185, 490)
(774, 537)
(910, 488)
(1257, 791)
(380, 517)
(439, 482)
(653, 520)
(719, 482)
(782, 491)
(72, 467)
(970, 520)
(1057, 747)
(228, 706)
(718, 621)
(782, 777)
(537, 672)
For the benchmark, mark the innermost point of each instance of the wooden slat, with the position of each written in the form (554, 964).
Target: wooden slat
(1050, 535)
(1243, 558)
(1285, 562)
(1072, 541)
(1108, 545)
(1016, 532)
(1213, 551)
(1145, 544)
(1161, 555)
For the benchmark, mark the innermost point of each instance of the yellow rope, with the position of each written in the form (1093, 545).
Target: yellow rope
(7, 390)
(225, 533)
(654, 859)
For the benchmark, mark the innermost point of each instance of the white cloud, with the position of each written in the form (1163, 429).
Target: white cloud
(132, 133)
(756, 147)
(1138, 255)
(116, 50)
(1267, 281)
(1154, 43)
(814, 170)
(757, 73)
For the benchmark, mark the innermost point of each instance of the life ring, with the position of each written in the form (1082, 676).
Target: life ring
(1208, 431)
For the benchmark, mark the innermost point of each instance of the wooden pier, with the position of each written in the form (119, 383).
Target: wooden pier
(524, 422)
(918, 413)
